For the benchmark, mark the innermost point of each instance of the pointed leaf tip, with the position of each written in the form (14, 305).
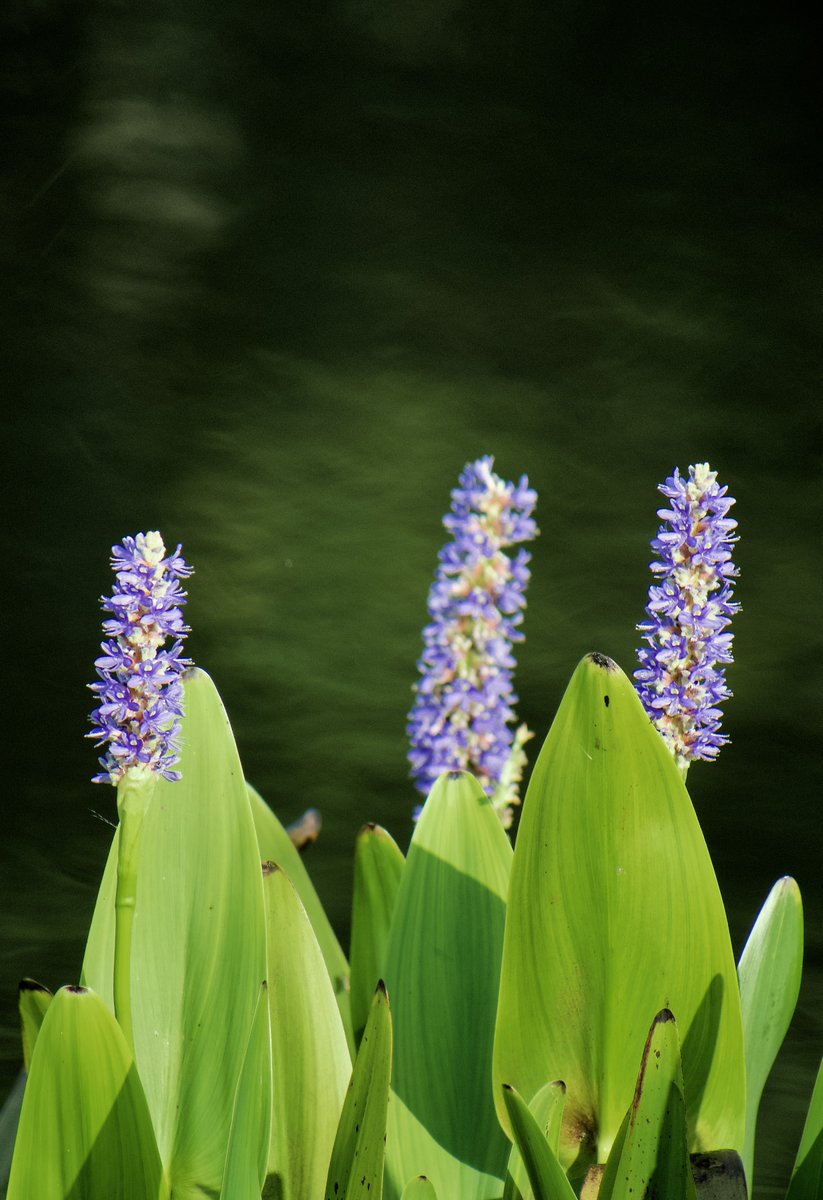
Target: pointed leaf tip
(601, 660)
(31, 985)
(608, 829)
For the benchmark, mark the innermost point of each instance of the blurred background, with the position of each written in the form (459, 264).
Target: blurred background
(273, 275)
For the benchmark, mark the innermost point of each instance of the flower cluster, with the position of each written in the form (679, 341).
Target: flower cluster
(681, 679)
(140, 691)
(461, 718)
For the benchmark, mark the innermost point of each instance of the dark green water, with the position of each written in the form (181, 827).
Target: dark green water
(268, 294)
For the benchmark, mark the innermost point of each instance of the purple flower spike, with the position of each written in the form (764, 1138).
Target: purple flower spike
(140, 691)
(464, 706)
(681, 679)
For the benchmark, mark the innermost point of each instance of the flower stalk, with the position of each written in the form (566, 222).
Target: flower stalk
(140, 693)
(134, 793)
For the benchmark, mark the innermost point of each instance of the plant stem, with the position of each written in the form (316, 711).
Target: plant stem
(134, 794)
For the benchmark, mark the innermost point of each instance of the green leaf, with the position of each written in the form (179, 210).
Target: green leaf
(199, 949)
(546, 1176)
(769, 971)
(716, 1176)
(250, 1131)
(98, 961)
(310, 1055)
(33, 1000)
(276, 846)
(378, 866)
(85, 1130)
(442, 974)
(547, 1109)
(420, 1188)
(650, 1157)
(807, 1176)
(356, 1168)
(614, 913)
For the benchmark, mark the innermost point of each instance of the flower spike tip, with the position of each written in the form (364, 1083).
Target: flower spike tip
(464, 701)
(682, 675)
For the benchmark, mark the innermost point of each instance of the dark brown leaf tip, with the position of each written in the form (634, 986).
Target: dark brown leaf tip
(76, 990)
(381, 987)
(31, 985)
(602, 660)
(269, 867)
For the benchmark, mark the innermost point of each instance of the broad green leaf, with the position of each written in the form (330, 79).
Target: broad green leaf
(199, 950)
(650, 1157)
(546, 1176)
(807, 1176)
(250, 1131)
(356, 1168)
(614, 913)
(442, 974)
(275, 845)
(85, 1130)
(33, 1000)
(420, 1188)
(378, 865)
(547, 1109)
(311, 1065)
(769, 971)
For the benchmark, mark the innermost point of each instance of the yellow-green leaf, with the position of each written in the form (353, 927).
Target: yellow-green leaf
(420, 1188)
(275, 845)
(378, 866)
(546, 1176)
(650, 1157)
(199, 948)
(442, 974)
(357, 1161)
(33, 1001)
(807, 1176)
(547, 1109)
(311, 1065)
(769, 971)
(85, 1130)
(250, 1132)
(614, 913)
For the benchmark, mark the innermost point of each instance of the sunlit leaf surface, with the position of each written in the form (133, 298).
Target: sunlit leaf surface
(442, 976)
(378, 866)
(311, 1066)
(85, 1130)
(357, 1161)
(769, 971)
(250, 1131)
(199, 953)
(614, 913)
